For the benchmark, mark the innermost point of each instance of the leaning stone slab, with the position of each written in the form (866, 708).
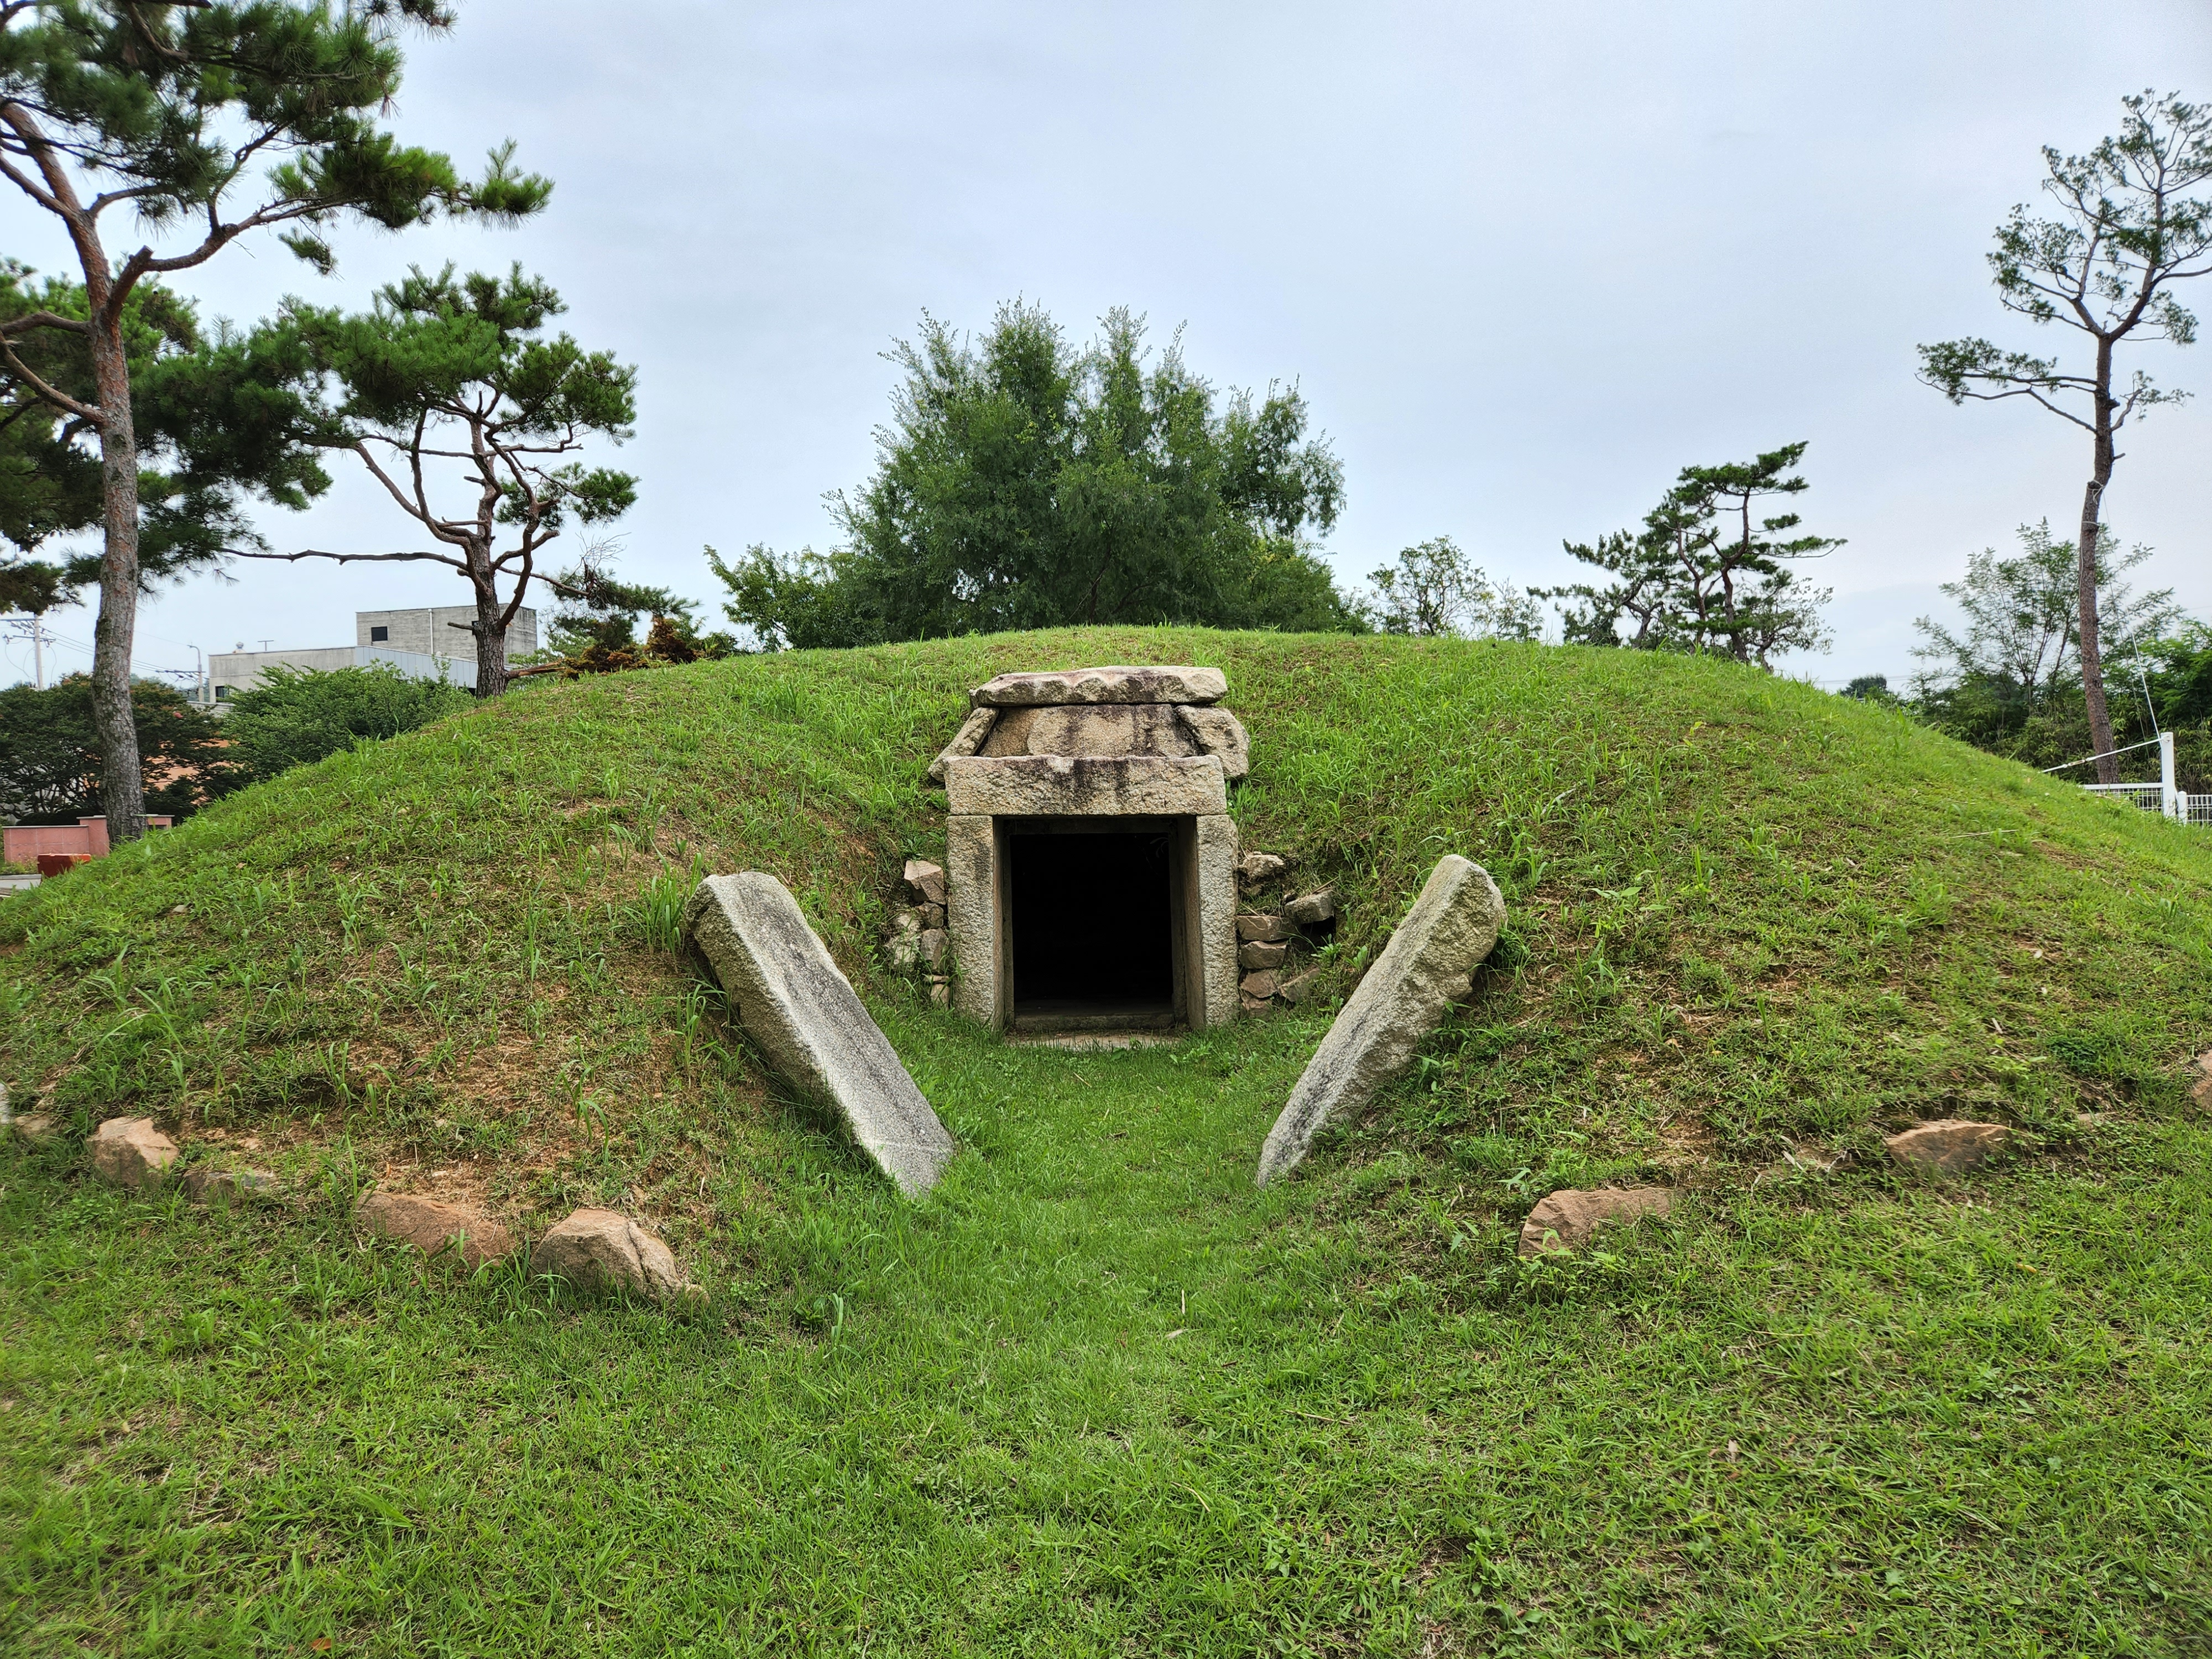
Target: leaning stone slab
(968, 740)
(1216, 732)
(1566, 1221)
(604, 1250)
(1058, 785)
(130, 1152)
(431, 1225)
(1421, 972)
(1102, 685)
(1949, 1146)
(808, 1021)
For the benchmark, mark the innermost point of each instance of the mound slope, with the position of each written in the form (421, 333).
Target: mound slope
(1738, 905)
(1096, 1393)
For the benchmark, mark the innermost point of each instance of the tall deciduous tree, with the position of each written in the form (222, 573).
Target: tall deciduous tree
(1026, 482)
(1432, 589)
(1707, 572)
(2127, 232)
(2013, 656)
(169, 113)
(453, 381)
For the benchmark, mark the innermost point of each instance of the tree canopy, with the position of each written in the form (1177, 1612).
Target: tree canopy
(211, 414)
(1704, 574)
(1027, 482)
(203, 122)
(1433, 588)
(471, 418)
(594, 631)
(2015, 653)
(52, 759)
(2126, 232)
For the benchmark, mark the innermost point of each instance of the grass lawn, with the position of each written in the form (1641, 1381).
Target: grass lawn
(1097, 1393)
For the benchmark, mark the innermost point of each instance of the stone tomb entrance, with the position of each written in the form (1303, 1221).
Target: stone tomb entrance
(1097, 925)
(1091, 868)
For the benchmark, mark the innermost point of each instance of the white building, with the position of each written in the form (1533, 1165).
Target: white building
(431, 644)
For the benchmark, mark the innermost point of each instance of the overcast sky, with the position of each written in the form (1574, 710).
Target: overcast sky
(1524, 261)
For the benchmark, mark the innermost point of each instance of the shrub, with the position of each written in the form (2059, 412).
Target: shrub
(296, 715)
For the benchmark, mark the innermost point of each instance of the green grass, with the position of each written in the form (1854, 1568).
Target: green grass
(1097, 1393)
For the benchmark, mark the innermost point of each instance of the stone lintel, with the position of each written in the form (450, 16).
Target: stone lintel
(1056, 785)
(1120, 684)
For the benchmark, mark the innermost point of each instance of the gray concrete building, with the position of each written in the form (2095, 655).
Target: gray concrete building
(430, 644)
(442, 630)
(230, 673)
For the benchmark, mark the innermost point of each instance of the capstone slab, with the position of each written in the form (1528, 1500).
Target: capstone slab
(811, 1025)
(1217, 732)
(1450, 930)
(1114, 685)
(968, 740)
(1058, 785)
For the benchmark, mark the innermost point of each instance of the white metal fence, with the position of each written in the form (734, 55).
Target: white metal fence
(2164, 797)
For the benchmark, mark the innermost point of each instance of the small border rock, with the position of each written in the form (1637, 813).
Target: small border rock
(130, 1152)
(1563, 1222)
(1949, 1146)
(432, 1225)
(603, 1251)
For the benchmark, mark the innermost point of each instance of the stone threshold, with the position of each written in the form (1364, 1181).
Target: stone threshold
(1097, 1042)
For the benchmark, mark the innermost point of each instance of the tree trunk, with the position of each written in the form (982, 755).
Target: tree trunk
(491, 641)
(122, 785)
(2091, 644)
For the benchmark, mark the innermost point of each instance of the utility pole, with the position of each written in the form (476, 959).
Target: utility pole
(36, 629)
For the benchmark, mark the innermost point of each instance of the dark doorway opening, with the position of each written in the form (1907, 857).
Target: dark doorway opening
(1092, 921)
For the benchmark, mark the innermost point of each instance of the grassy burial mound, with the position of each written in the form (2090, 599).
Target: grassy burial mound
(1096, 1393)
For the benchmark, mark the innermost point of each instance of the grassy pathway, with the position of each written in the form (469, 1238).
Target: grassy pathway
(1099, 1396)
